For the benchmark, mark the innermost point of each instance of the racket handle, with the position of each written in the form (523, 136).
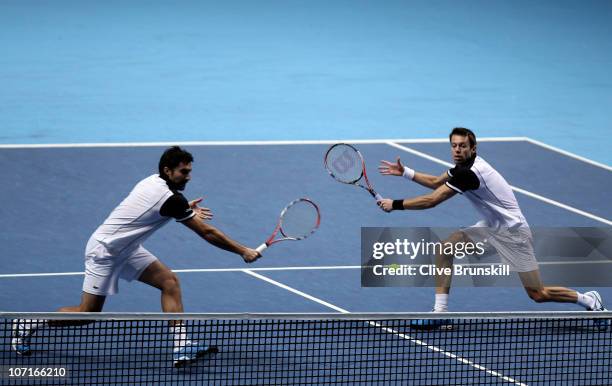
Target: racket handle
(378, 197)
(261, 248)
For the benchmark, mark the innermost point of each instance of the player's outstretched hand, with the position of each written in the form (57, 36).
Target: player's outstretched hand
(386, 204)
(391, 168)
(250, 255)
(201, 213)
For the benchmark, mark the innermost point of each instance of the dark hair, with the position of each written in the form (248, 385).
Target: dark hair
(172, 157)
(462, 131)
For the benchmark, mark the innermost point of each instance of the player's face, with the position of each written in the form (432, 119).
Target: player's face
(461, 151)
(180, 175)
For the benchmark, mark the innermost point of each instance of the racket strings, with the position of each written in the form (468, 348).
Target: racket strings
(299, 219)
(344, 163)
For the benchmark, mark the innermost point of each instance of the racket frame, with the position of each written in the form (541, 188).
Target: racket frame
(279, 226)
(368, 186)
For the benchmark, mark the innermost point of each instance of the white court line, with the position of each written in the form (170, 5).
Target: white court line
(296, 142)
(389, 330)
(568, 154)
(306, 268)
(448, 354)
(516, 189)
(319, 268)
(249, 143)
(297, 292)
(9, 275)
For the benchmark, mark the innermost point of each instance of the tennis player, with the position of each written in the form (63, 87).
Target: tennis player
(503, 226)
(115, 251)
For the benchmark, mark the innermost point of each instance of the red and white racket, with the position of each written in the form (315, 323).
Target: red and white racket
(345, 164)
(297, 221)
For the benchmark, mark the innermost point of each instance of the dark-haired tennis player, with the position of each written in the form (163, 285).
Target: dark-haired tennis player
(115, 250)
(503, 225)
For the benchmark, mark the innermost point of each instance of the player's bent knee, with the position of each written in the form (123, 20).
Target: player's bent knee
(171, 283)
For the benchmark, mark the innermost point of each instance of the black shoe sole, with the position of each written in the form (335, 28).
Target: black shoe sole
(210, 350)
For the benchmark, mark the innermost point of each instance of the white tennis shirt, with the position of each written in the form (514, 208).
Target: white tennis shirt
(488, 191)
(140, 214)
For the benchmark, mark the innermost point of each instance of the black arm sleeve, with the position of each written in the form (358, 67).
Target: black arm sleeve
(462, 180)
(177, 206)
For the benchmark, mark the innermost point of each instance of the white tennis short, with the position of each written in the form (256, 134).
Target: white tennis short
(103, 269)
(514, 245)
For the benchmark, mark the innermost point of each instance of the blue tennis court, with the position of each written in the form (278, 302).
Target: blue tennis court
(93, 92)
(66, 191)
(59, 195)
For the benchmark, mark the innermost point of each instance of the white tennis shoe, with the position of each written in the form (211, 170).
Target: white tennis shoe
(20, 341)
(190, 352)
(602, 324)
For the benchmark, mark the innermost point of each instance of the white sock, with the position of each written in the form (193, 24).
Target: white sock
(29, 326)
(585, 301)
(179, 333)
(441, 304)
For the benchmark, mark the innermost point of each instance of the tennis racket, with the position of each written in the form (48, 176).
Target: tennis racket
(345, 164)
(297, 221)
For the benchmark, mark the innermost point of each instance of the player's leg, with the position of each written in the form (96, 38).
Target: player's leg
(516, 247)
(161, 277)
(89, 303)
(101, 277)
(24, 329)
(144, 266)
(538, 292)
(445, 260)
(151, 271)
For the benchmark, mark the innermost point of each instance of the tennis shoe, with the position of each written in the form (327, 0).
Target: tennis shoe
(20, 341)
(190, 352)
(601, 324)
(430, 324)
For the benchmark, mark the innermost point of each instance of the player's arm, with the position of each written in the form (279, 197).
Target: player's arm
(220, 239)
(176, 206)
(398, 169)
(429, 181)
(460, 180)
(426, 201)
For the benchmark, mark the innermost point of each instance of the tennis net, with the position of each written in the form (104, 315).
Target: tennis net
(453, 348)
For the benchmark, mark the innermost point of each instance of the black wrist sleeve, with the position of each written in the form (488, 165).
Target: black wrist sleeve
(398, 204)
